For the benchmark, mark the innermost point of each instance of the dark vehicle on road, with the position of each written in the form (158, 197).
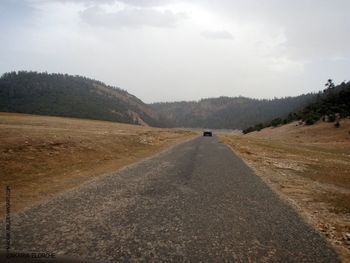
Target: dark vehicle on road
(207, 133)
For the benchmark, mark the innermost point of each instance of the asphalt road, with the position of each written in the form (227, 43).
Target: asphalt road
(194, 202)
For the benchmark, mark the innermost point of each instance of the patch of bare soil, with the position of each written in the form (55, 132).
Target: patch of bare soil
(310, 167)
(42, 156)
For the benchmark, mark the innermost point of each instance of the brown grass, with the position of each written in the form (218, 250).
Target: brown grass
(308, 165)
(42, 156)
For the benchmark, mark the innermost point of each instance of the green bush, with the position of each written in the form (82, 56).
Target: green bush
(310, 121)
(248, 130)
(276, 122)
(310, 118)
(331, 118)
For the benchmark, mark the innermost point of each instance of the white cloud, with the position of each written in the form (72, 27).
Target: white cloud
(147, 3)
(312, 28)
(280, 47)
(88, 2)
(138, 3)
(221, 34)
(131, 17)
(285, 65)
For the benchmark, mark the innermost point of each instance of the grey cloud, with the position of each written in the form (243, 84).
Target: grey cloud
(325, 33)
(131, 17)
(147, 3)
(139, 3)
(290, 47)
(217, 34)
(95, 2)
(313, 28)
(82, 2)
(14, 15)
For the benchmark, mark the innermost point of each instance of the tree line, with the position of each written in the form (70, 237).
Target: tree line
(330, 105)
(69, 96)
(227, 112)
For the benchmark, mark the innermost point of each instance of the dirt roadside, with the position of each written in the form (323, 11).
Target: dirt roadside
(42, 156)
(310, 168)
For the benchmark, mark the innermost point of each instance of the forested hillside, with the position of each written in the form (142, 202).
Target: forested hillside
(226, 112)
(71, 96)
(76, 96)
(330, 105)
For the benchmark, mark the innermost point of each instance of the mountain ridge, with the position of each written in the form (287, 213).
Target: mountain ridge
(71, 96)
(228, 112)
(76, 96)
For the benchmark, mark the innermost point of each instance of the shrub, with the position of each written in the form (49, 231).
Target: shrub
(331, 118)
(248, 130)
(276, 122)
(259, 127)
(309, 121)
(311, 117)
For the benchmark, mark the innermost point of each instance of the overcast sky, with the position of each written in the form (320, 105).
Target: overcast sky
(165, 50)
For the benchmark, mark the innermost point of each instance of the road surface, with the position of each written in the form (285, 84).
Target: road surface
(195, 202)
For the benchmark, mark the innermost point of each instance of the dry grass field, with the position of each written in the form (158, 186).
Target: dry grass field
(310, 167)
(42, 156)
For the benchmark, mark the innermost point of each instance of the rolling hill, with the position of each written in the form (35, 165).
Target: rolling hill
(227, 112)
(330, 105)
(81, 97)
(71, 96)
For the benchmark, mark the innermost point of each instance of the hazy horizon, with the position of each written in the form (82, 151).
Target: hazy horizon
(173, 50)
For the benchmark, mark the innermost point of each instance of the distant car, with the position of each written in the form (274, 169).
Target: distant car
(207, 133)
